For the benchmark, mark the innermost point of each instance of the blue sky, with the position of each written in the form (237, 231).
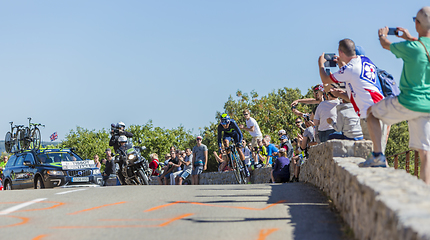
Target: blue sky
(91, 63)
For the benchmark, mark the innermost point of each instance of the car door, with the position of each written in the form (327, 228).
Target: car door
(28, 171)
(17, 172)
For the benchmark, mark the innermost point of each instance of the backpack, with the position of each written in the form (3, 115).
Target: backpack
(389, 87)
(290, 150)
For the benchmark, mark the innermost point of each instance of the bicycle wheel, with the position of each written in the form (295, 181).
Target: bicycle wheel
(241, 167)
(36, 138)
(25, 141)
(8, 143)
(235, 166)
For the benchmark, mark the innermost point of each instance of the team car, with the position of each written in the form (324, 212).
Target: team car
(48, 168)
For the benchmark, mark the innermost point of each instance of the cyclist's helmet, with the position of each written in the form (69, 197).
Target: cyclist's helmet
(225, 119)
(121, 124)
(122, 139)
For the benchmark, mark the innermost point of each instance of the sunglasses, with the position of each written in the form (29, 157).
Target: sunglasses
(298, 122)
(224, 123)
(245, 114)
(415, 19)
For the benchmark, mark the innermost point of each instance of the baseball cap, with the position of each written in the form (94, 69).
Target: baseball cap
(283, 137)
(423, 16)
(282, 150)
(359, 51)
(318, 87)
(108, 149)
(282, 131)
(199, 137)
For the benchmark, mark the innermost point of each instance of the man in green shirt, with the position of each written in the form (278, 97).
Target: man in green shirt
(413, 103)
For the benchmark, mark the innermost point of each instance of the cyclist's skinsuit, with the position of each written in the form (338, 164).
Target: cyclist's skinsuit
(232, 131)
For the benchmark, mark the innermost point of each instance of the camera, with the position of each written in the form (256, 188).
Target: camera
(293, 107)
(393, 31)
(307, 117)
(330, 60)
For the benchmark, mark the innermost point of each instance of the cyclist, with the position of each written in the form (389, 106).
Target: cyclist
(231, 130)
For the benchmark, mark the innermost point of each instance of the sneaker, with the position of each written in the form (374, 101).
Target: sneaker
(372, 161)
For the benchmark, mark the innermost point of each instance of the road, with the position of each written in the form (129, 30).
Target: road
(253, 211)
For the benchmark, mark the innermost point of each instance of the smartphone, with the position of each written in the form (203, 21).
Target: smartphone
(393, 31)
(330, 60)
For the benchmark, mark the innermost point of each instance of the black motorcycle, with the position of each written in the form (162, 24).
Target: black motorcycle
(133, 167)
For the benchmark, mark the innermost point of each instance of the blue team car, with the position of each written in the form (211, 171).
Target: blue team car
(48, 168)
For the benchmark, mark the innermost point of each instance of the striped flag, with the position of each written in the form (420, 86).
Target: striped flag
(54, 136)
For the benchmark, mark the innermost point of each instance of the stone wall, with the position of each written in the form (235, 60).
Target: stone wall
(260, 175)
(377, 203)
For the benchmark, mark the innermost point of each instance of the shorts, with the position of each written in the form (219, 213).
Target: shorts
(390, 111)
(236, 137)
(184, 174)
(254, 142)
(197, 170)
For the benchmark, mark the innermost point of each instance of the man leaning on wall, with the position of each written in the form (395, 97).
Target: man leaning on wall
(413, 103)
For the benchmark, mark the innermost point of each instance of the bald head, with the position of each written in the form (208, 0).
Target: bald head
(347, 46)
(423, 17)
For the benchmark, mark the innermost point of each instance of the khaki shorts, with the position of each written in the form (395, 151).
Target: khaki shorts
(384, 131)
(254, 142)
(390, 111)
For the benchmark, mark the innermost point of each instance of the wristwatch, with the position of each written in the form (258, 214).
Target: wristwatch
(382, 35)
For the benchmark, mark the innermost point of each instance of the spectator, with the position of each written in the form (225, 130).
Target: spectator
(285, 144)
(359, 74)
(200, 159)
(326, 109)
(347, 125)
(272, 151)
(281, 170)
(296, 160)
(110, 166)
(154, 164)
(308, 138)
(172, 164)
(247, 161)
(253, 129)
(188, 166)
(318, 91)
(300, 125)
(413, 103)
(262, 153)
(96, 161)
(223, 159)
(3, 164)
(176, 172)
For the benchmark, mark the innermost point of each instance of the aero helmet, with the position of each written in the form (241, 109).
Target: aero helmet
(225, 119)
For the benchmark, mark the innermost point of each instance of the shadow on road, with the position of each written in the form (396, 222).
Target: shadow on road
(310, 211)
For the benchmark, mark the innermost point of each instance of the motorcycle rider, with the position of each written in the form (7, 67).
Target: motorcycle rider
(116, 131)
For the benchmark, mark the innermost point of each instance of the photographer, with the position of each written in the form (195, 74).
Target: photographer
(413, 102)
(116, 131)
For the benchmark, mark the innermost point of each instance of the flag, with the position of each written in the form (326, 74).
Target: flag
(54, 136)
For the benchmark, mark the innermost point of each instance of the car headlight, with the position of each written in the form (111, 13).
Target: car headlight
(96, 171)
(55, 172)
(131, 156)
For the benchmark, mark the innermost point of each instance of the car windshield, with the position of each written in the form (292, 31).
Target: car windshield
(56, 157)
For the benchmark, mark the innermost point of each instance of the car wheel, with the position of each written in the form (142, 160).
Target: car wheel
(39, 183)
(8, 185)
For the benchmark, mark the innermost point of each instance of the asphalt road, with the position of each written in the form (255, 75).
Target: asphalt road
(205, 212)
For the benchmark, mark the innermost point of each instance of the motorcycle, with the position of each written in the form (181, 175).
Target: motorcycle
(133, 167)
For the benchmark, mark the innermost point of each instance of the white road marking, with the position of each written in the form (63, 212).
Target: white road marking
(82, 189)
(22, 205)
